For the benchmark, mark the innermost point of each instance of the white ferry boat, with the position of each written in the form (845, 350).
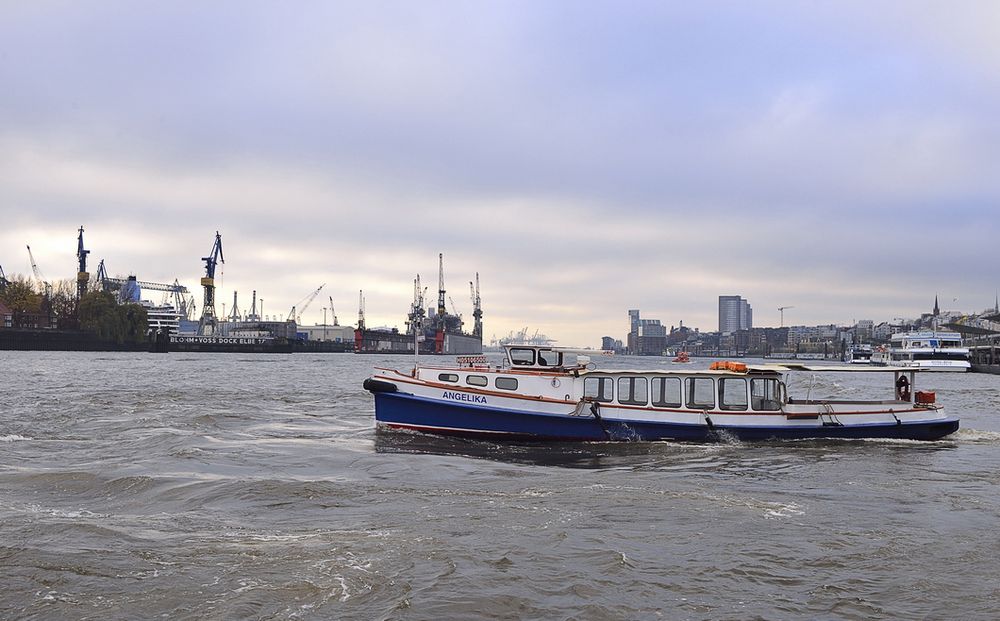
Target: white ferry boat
(538, 394)
(860, 354)
(931, 350)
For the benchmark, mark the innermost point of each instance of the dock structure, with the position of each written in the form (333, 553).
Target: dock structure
(984, 354)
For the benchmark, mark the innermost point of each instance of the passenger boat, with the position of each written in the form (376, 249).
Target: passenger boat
(538, 393)
(860, 354)
(929, 350)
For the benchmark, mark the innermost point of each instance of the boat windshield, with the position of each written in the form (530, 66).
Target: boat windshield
(765, 394)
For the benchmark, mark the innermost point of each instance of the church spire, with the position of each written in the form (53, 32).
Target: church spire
(937, 311)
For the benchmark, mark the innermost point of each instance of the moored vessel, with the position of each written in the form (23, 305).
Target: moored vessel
(539, 394)
(432, 331)
(929, 350)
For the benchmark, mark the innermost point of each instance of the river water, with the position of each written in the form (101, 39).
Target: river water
(229, 486)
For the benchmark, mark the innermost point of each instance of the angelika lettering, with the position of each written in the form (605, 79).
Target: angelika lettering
(461, 396)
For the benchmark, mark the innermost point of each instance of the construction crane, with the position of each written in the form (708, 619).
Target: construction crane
(82, 276)
(333, 312)
(304, 304)
(38, 275)
(208, 323)
(3, 280)
(782, 309)
(477, 308)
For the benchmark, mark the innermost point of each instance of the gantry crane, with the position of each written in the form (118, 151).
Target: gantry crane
(209, 323)
(304, 304)
(82, 276)
(234, 315)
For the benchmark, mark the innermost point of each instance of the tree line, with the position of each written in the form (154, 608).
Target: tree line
(56, 306)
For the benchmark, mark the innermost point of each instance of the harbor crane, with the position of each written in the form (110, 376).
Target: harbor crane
(82, 276)
(782, 309)
(361, 309)
(477, 308)
(415, 320)
(333, 312)
(38, 275)
(179, 292)
(441, 310)
(235, 314)
(209, 323)
(304, 303)
(3, 280)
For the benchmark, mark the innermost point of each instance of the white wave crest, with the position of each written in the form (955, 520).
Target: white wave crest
(14, 438)
(975, 435)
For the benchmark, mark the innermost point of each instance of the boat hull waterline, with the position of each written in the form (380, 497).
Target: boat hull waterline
(395, 410)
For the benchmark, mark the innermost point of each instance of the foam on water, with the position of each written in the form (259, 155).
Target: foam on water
(262, 491)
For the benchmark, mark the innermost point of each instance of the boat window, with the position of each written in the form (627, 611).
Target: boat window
(448, 377)
(632, 390)
(506, 383)
(549, 358)
(765, 394)
(666, 392)
(476, 380)
(599, 388)
(700, 393)
(522, 357)
(733, 393)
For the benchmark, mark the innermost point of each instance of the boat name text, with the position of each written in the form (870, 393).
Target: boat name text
(461, 396)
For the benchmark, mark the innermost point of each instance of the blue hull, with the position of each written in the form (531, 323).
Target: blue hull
(407, 411)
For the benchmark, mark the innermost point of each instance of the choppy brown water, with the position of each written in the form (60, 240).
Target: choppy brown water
(232, 486)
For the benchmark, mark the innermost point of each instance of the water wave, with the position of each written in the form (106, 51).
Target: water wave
(14, 438)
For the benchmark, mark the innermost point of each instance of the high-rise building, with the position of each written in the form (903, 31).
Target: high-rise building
(633, 319)
(735, 314)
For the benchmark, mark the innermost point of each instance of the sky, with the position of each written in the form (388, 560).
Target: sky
(585, 158)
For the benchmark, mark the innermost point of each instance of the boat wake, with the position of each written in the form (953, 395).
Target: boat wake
(975, 436)
(13, 438)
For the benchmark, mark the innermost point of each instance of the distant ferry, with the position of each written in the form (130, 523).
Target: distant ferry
(540, 394)
(860, 354)
(930, 350)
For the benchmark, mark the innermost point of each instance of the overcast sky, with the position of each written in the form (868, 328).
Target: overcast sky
(584, 157)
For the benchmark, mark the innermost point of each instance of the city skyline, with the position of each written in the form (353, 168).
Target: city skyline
(821, 158)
